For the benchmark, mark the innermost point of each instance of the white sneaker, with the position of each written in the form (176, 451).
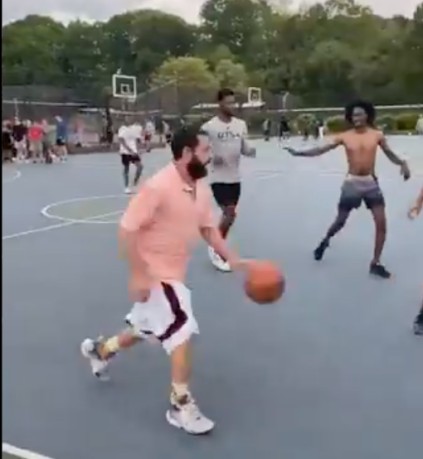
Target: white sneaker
(218, 262)
(128, 190)
(189, 418)
(89, 349)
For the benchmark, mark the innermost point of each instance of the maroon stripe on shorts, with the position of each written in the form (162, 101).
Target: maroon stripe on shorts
(180, 316)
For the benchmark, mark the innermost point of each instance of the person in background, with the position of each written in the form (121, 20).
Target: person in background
(320, 128)
(306, 129)
(46, 142)
(149, 131)
(413, 213)
(35, 138)
(61, 139)
(419, 125)
(167, 132)
(284, 128)
(19, 136)
(266, 127)
(7, 141)
(130, 139)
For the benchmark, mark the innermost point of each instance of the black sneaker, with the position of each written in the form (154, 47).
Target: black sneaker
(418, 327)
(380, 271)
(320, 251)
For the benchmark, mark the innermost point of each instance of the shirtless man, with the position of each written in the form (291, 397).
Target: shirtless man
(361, 184)
(413, 213)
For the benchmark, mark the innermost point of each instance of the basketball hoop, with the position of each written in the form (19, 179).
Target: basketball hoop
(254, 95)
(124, 86)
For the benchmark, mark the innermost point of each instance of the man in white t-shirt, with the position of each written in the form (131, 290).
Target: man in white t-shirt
(130, 138)
(228, 139)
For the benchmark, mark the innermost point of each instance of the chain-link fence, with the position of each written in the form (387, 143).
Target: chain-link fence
(45, 103)
(176, 100)
(85, 109)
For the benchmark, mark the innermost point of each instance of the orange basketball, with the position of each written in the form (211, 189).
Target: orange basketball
(265, 283)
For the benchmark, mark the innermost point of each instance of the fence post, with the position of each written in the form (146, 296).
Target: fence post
(16, 107)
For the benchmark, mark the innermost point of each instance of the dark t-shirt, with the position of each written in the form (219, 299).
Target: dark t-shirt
(19, 132)
(283, 125)
(6, 140)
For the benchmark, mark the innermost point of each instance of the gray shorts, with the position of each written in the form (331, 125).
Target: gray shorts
(357, 189)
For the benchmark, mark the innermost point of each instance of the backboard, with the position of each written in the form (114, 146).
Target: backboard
(124, 86)
(254, 96)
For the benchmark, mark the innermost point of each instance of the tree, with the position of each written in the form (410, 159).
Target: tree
(230, 22)
(81, 58)
(219, 53)
(231, 75)
(188, 72)
(322, 53)
(157, 36)
(30, 50)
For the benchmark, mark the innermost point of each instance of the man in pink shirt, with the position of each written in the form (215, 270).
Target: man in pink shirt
(160, 228)
(35, 137)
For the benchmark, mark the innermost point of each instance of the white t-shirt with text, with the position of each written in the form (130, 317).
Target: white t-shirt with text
(228, 141)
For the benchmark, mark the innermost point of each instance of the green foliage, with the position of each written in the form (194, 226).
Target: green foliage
(406, 121)
(324, 54)
(186, 72)
(336, 124)
(387, 122)
(231, 75)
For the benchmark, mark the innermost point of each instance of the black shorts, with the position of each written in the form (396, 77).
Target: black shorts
(130, 159)
(355, 192)
(226, 194)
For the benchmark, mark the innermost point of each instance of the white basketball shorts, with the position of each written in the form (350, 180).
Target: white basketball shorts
(167, 315)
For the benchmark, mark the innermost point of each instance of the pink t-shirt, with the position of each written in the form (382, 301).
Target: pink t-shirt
(168, 217)
(35, 133)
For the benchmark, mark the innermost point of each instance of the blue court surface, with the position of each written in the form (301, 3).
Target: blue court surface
(331, 371)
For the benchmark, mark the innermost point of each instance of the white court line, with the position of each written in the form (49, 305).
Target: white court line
(46, 211)
(44, 229)
(21, 453)
(65, 223)
(16, 176)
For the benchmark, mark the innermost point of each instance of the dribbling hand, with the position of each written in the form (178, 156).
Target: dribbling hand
(414, 212)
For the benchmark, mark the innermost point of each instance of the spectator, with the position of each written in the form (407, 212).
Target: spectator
(19, 135)
(7, 141)
(61, 139)
(35, 137)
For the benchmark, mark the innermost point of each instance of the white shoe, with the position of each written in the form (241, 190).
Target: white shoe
(128, 190)
(218, 262)
(89, 349)
(189, 418)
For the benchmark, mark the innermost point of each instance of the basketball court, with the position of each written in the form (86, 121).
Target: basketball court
(330, 371)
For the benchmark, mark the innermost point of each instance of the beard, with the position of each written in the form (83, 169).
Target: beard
(196, 169)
